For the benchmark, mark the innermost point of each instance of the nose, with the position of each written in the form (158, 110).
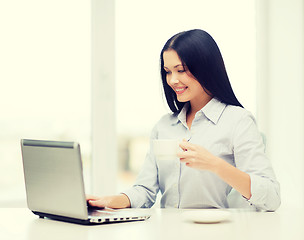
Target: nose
(173, 79)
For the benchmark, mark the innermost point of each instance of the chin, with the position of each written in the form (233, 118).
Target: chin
(182, 99)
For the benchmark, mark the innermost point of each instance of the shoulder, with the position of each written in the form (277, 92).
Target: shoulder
(242, 122)
(237, 114)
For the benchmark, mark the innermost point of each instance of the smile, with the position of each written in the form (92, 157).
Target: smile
(180, 90)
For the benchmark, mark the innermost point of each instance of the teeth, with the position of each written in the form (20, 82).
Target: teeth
(180, 89)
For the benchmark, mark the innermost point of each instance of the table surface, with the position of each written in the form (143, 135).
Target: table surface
(20, 223)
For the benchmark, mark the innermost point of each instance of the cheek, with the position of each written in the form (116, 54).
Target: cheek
(201, 91)
(196, 88)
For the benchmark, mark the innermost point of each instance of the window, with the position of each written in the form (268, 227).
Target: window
(46, 73)
(45, 82)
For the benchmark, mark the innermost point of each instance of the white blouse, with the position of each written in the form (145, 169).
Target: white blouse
(228, 132)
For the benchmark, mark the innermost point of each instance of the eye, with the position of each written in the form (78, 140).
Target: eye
(182, 70)
(168, 72)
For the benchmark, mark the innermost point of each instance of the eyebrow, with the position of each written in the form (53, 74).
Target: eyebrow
(175, 66)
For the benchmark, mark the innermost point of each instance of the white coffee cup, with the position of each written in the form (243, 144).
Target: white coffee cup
(166, 149)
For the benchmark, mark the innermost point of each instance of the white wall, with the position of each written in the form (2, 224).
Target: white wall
(281, 92)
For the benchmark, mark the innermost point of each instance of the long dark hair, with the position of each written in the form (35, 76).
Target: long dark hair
(200, 53)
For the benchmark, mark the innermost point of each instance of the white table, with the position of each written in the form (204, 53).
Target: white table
(20, 223)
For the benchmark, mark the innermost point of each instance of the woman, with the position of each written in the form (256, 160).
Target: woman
(223, 150)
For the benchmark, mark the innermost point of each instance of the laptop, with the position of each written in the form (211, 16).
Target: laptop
(55, 187)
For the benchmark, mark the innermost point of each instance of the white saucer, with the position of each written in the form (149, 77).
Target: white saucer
(206, 215)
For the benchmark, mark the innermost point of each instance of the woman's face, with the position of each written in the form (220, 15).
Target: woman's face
(184, 84)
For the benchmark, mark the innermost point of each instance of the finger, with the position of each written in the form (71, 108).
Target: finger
(97, 203)
(91, 197)
(186, 154)
(188, 164)
(182, 154)
(183, 160)
(188, 160)
(181, 145)
(187, 146)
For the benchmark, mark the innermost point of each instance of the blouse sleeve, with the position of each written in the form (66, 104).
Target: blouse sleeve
(144, 191)
(250, 157)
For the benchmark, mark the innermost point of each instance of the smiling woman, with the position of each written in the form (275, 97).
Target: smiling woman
(139, 38)
(226, 150)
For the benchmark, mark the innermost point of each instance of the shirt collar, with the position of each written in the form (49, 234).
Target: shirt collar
(182, 116)
(212, 110)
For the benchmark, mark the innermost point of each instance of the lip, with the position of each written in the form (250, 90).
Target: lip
(180, 90)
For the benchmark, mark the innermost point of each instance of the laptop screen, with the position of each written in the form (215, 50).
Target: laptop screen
(53, 178)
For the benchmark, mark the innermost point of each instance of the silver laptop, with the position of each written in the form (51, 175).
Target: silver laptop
(55, 188)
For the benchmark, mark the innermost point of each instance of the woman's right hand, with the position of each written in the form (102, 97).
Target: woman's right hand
(115, 201)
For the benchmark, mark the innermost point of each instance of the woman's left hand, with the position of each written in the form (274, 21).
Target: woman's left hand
(196, 156)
